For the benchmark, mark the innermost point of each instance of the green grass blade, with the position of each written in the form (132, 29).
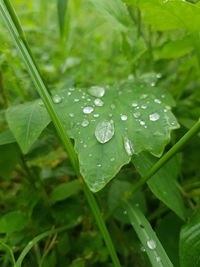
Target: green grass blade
(35, 240)
(148, 238)
(10, 251)
(13, 25)
(62, 10)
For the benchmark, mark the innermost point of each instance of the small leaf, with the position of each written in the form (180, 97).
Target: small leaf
(190, 242)
(64, 191)
(140, 117)
(26, 122)
(11, 222)
(147, 236)
(163, 183)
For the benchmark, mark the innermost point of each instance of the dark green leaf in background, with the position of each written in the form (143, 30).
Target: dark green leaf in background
(163, 183)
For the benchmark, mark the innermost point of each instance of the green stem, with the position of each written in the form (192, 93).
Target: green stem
(13, 25)
(162, 161)
(10, 251)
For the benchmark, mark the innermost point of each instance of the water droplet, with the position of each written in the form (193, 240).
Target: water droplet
(125, 212)
(98, 165)
(157, 101)
(112, 159)
(90, 155)
(110, 114)
(71, 115)
(143, 96)
(83, 97)
(85, 123)
(104, 131)
(76, 100)
(163, 96)
(41, 103)
(57, 99)
(124, 117)
(69, 93)
(144, 106)
(130, 77)
(98, 102)
(151, 244)
(154, 117)
(165, 110)
(158, 259)
(136, 115)
(96, 115)
(88, 110)
(84, 145)
(128, 146)
(112, 106)
(153, 84)
(142, 123)
(142, 249)
(134, 104)
(158, 75)
(96, 91)
(71, 89)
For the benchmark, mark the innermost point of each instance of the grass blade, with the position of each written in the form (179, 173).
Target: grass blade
(148, 238)
(62, 10)
(13, 25)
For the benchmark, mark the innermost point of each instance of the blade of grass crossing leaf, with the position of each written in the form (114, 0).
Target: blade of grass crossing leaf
(148, 238)
(13, 25)
(62, 10)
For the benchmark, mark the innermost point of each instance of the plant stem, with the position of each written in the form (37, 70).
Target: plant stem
(162, 161)
(13, 25)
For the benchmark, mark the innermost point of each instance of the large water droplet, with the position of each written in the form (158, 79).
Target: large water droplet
(124, 117)
(85, 123)
(57, 99)
(96, 91)
(98, 102)
(104, 131)
(128, 146)
(151, 244)
(154, 117)
(88, 110)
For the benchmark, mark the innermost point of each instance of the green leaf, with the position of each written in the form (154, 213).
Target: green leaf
(147, 236)
(11, 156)
(163, 183)
(62, 9)
(170, 15)
(133, 117)
(176, 49)
(13, 221)
(190, 242)
(115, 12)
(26, 122)
(6, 137)
(65, 190)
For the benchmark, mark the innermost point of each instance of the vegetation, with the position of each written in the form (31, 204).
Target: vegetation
(99, 133)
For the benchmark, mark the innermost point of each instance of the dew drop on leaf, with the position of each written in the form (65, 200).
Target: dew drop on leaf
(104, 131)
(71, 115)
(88, 110)
(76, 100)
(124, 117)
(57, 99)
(134, 104)
(128, 146)
(98, 102)
(151, 244)
(96, 115)
(144, 106)
(142, 123)
(85, 123)
(154, 117)
(157, 101)
(96, 91)
(136, 115)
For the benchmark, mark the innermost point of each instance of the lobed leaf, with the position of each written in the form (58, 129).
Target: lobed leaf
(130, 118)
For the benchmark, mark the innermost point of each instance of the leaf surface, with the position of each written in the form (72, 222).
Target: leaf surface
(26, 122)
(133, 116)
